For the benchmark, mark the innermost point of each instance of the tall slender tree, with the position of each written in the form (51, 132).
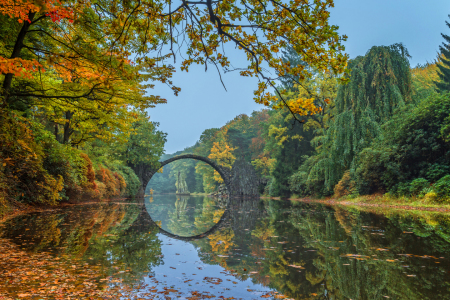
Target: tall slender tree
(379, 83)
(444, 67)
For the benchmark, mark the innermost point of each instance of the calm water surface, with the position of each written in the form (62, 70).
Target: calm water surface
(247, 249)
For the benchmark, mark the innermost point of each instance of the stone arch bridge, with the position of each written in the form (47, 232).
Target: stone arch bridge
(240, 181)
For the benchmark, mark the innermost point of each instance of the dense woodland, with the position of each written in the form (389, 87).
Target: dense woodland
(77, 78)
(385, 131)
(75, 103)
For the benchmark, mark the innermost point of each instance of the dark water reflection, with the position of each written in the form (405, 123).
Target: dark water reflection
(185, 216)
(299, 250)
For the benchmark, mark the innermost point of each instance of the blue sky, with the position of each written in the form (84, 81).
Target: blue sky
(203, 103)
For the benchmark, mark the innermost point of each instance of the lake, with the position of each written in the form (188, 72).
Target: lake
(198, 247)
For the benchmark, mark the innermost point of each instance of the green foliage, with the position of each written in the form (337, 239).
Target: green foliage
(444, 67)
(24, 177)
(287, 142)
(442, 188)
(413, 144)
(132, 181)
(418, 185)
(379, 83)
(63, 160)
(306, 181)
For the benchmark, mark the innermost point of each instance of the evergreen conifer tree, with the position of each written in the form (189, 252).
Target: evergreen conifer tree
(379, 83)
(444, 66)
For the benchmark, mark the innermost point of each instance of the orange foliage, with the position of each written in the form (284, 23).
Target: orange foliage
(21, 10)
(18, 66)
(89, 173)
(21, 164)
(121, 182)
(345, 186)
(109, 184)
(257, 145)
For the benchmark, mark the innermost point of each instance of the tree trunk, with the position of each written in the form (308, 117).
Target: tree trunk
(16, 53)
(57, 132)
(67, 130)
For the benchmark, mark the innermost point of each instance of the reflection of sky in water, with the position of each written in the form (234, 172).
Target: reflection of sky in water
(300, 250)
(184, 215)
(183, 269)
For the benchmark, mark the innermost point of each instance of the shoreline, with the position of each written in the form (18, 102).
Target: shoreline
(370, 201)
(20, 209)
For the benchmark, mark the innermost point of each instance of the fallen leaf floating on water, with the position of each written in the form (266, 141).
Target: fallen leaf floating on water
(297, 267)
(74, 279)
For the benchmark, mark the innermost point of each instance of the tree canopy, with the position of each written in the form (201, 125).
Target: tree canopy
(98, 57)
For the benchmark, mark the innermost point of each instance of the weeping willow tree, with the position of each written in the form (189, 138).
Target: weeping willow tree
(380, 82)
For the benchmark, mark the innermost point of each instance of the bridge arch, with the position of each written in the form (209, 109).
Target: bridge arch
(225, 174)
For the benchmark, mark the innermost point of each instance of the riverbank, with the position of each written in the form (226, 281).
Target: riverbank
(11, 211)
(380, 201)
(374, 201)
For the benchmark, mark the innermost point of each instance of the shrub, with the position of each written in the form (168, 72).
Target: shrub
(430, 197)
(22, 159)
(436, 171)
(345, 186)
(418, 185)
(121, 183)
(414, 144)
(375, 171)
(101, 191)
(310, 178)
(442, 188)
(131, 180)
(104, 176)
(65, 161)
(401, 189)
(89, 173)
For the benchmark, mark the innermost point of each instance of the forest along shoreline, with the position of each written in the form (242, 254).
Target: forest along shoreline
(375, 201)
(396, 153)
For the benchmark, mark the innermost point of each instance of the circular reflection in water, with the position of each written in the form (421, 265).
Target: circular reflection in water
(186, 216)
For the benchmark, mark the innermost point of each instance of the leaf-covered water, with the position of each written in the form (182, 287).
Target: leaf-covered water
(200, 247)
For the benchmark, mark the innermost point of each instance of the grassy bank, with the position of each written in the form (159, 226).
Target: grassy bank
(381, 201)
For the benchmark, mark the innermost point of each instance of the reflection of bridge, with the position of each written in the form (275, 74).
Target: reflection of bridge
(240, 181)
(239, 214)
(223, 222)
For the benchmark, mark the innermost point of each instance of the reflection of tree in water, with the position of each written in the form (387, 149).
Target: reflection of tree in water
(108, 234)
(243, 214)
(303, 251)
(378, 271)
(187, 219)
(179, 218)
(180, 205)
